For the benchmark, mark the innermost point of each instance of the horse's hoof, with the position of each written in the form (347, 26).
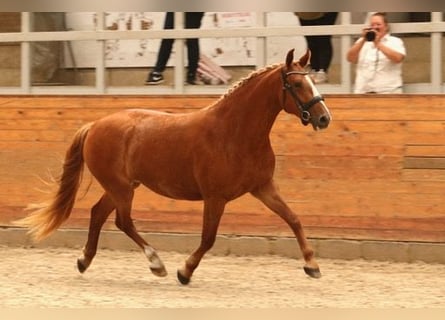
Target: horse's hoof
(80, 266)
(312, 272)
(159, 272)
(183, 280)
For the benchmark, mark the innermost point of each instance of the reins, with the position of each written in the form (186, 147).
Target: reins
(303, 107)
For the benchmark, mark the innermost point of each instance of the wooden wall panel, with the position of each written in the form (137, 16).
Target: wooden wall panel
(376, 173)
(10, 21)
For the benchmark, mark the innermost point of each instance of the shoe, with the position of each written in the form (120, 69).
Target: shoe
(155, 78)
(320, 76)
(191, 78)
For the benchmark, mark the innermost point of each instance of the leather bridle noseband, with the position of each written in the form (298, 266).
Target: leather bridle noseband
(303, 107)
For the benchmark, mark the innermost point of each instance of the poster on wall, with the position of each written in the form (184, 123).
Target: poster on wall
(239, 51)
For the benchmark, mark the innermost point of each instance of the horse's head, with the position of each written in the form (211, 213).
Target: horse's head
(306, 102)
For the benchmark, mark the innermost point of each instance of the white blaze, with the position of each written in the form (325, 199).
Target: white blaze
(316, 93)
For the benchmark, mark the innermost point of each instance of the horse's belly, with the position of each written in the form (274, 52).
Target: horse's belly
(169, 178)
(174, 190)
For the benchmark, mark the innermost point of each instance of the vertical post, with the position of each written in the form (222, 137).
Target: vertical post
(100, 55)
(179, 54)
(26, 66)
(261, 42)
(436, 56)
(345, 66)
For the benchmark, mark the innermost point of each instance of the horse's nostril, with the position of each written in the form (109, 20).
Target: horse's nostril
(323, 121)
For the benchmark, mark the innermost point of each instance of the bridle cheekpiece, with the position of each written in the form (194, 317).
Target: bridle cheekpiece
(303, 107)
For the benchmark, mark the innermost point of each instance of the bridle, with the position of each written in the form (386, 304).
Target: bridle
(303, 107)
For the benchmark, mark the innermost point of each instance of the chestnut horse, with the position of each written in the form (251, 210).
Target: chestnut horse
(215, 154)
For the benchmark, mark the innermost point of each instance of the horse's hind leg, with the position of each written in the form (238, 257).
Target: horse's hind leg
(213, 210)
(125, 223)
(99, 214)
(270, 197)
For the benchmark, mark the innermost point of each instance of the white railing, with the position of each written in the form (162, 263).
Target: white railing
(345, 30)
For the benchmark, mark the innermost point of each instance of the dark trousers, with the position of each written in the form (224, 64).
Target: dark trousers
(320, 46)
(192, 21)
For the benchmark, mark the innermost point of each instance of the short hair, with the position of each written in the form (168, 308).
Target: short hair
(382, 15)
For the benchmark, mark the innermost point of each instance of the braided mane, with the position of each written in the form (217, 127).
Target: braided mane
(250, 76)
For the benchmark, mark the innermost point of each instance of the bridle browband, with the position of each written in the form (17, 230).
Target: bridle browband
(303, 107)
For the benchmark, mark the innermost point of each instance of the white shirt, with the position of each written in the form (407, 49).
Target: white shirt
(375, 72)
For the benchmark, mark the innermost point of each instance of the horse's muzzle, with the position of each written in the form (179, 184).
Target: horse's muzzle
(322, 122)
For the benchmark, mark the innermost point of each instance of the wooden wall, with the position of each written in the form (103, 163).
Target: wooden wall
(378, 172)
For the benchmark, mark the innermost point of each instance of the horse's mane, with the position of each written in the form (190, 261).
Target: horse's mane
(243, 81)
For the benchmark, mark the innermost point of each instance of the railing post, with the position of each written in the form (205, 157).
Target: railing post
(179, 54)
(261, 43)
(100, 57)
(345, 44)
(26, 66)
(436, 56)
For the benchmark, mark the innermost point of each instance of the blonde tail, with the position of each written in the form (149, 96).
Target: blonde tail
(47, 217)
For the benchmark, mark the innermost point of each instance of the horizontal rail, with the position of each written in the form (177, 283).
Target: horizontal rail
(336, 30)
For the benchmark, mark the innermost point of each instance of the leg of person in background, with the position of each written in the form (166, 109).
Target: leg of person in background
(320, 57)
(192, 21)
(321, 47)
(313, 45)
(165, 50)
(325, 45)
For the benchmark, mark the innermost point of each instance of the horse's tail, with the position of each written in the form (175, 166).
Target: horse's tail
(48, 216)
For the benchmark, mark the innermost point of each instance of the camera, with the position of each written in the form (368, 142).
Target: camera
(370, 35)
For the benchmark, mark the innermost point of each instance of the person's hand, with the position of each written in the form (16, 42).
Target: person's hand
(364, 31)
(379, 34)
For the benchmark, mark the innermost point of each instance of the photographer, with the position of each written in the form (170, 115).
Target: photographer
(379, 57)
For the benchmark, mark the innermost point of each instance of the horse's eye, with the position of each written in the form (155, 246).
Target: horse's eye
(297, 84)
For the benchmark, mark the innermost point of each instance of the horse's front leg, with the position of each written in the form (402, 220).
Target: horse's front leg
(269, 195)
(213, 210)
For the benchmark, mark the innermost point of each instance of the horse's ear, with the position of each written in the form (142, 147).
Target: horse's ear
(305, 59)
(290, 58)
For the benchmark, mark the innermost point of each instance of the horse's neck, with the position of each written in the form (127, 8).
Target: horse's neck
(252, 108)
